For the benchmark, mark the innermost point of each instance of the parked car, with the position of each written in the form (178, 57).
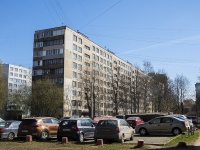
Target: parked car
(194, 119)
(77, 128)
(113, 129)
(133, 121)
(39, 127)
(9, 129)
(163, 125)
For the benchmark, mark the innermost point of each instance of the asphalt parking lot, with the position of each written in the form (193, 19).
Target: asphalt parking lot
(152, 139)
(159, 140)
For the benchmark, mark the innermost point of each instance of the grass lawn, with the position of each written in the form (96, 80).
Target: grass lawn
(55, 145)
(189, 140)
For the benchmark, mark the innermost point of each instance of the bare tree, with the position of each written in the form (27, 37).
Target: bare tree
(147, 67)
(181, 85)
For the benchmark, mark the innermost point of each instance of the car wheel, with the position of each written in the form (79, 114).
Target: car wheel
(44, 135)
(122, 139)
(81, 138)
(11, 136)
(143, 131)
(176, 131)
(132, 137)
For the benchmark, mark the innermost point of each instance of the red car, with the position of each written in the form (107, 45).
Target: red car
(133, 121)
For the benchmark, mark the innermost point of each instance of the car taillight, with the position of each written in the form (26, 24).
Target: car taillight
(1, 130)
(184, 123)
(117, 130)
(75, 128)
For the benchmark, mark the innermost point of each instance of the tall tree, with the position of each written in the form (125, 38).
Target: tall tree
(3, 91)
(181, 85)
(46, 99)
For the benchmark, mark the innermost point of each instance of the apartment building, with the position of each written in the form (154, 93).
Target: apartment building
(72, 60)
(17, 78)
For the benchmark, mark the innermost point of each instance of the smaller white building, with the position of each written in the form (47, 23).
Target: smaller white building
(17, 78)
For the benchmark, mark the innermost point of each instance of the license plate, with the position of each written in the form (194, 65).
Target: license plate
(24, 130)
(66, 129)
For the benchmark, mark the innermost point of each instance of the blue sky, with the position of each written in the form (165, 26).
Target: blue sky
(164, 32)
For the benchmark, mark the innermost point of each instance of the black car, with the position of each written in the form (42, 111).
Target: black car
(77, 128)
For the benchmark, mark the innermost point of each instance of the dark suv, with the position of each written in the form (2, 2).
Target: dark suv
(39, 127)
(77, 128)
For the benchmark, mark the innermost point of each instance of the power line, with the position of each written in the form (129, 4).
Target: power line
(100, 15)
(133, 39)
(50, 12)
(145, 28)
(62, 13)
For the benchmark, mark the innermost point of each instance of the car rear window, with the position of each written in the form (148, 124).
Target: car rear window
(5, 124)
(29, 121)
(68, 123)
(107, 123)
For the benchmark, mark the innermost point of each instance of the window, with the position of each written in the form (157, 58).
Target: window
(93, 56)
(101, 53)
(74, 65)
(24, 76)
(87, 47)
(74, 83)
(155, 121)
(74, 47)
(11, 68)
(80, 40)
(11, 74)
(74, 56)
(74, 92)
(79, 67)
(16, 75)
(80, 58)
(20, 75)
(97, 50)
(93, 48)
(74, 74)
(87, 56)
(79, 75)
(87, 64)
(58, 70)
(101, 60)
(97, 58)
(79, 49)
(75, 38)
(16, 69)
(79, 85)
